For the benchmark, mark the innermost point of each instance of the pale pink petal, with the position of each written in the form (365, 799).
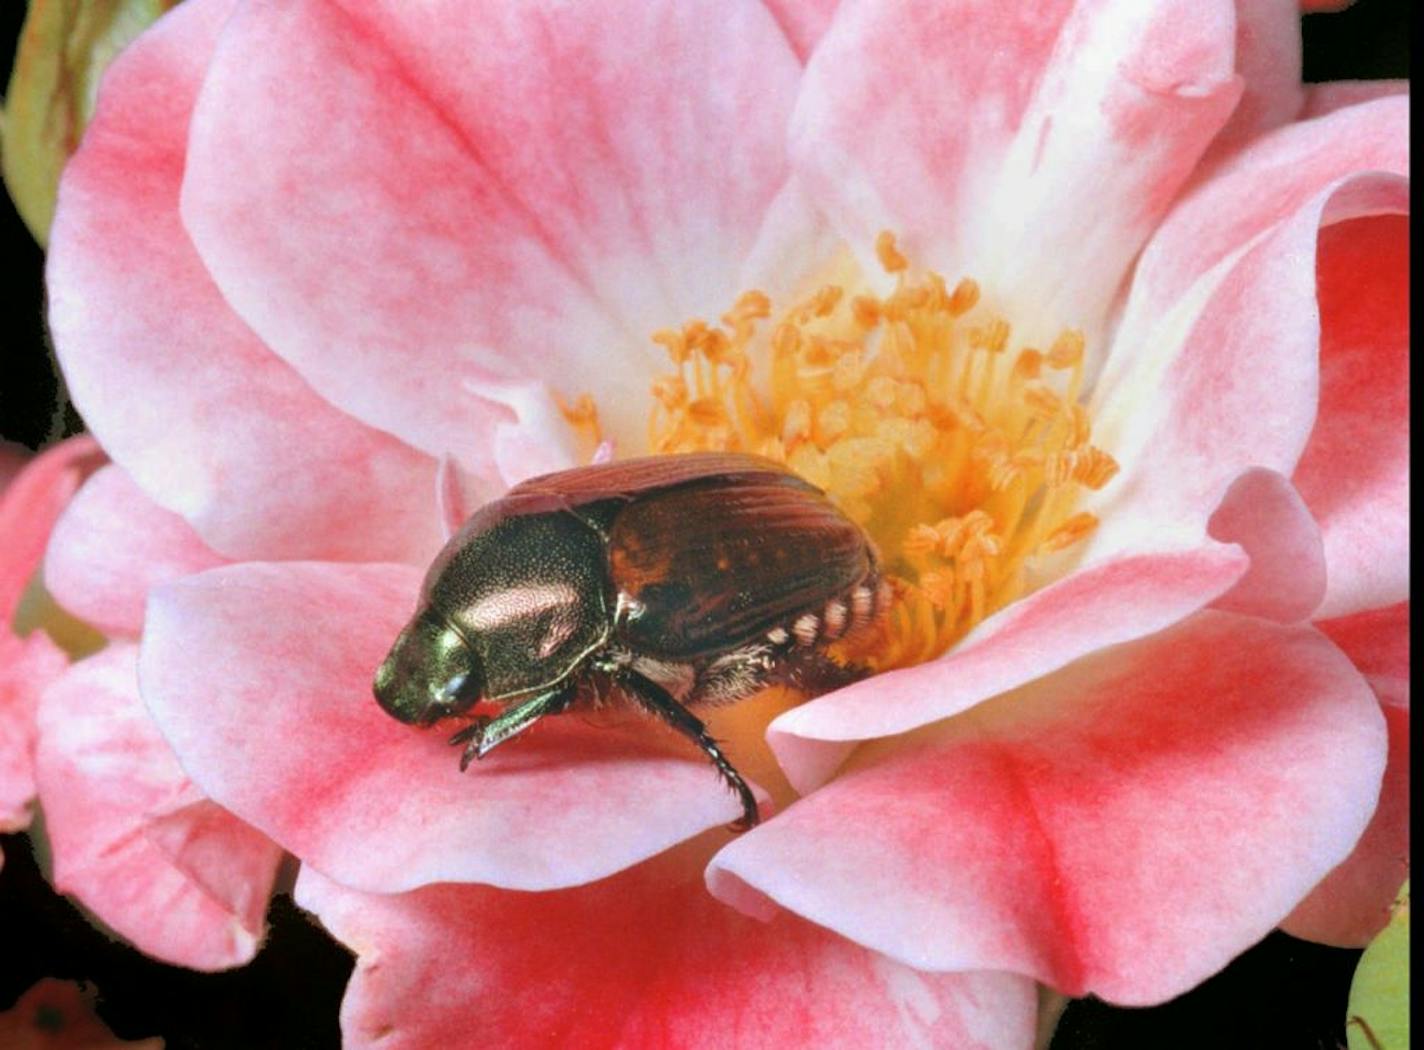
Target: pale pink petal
(454, 503)
(1122, 828)
(1224, 381)
(111, 545)
(275, 720)
(1118, 601)
(1033, 147)
(1215, 366)
(183, 880)
(1377, 640)
(182, 394)
(803, 21)
(1321, 99)
(1352, 903)
(646, 958)
(402, 199)
(1269, 62)
(1265, 515)
(27, 667)
(1261, 187)
(1354, 474)
(29, 507)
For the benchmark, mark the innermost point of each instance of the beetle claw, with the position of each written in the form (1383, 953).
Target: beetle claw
(751, 812)
(743, 823)
(472, 736)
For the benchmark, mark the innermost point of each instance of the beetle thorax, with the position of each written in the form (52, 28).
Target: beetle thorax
(529, 592)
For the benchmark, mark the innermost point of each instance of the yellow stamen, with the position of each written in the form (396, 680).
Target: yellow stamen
(582, 415)
(961, 453)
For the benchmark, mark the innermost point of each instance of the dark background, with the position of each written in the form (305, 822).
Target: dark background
(1283, 993)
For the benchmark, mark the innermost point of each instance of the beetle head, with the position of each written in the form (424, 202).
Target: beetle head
(429, 673)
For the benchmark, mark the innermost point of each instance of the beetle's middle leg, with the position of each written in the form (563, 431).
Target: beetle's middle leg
(483, 735)
(660, 702)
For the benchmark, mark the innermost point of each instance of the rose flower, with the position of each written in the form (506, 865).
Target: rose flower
(1089, 314)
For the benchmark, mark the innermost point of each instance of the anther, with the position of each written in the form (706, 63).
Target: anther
(1028, 365)
(865, 310)
(964, 297)
(1067, 349)
(670, 391)
(1069, 533)
(890, 258)
(992, 337)
(673, 342)
(1093, 467)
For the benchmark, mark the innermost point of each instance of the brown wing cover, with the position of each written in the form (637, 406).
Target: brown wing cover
(635, 477)
(718, 563)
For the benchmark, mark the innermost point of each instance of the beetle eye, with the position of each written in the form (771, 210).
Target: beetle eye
(460, 691)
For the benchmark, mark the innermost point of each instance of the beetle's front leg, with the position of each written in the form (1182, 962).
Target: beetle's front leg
(484, 734)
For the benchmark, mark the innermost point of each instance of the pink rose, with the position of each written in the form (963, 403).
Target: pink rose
(324, 273)
(33, 492)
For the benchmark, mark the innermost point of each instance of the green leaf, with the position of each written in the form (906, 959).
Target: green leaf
(64, 48)
(1378, 1015)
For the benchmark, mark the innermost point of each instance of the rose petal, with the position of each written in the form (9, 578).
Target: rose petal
(645, 958)
(1124, 827)
(111, 545)
(1377, 640)
(32, 499)
(991, 136)
(136, 320)
(1265, 515)
(28, 509)
(1105, 605)
(1321, 99)
(27, 667)
(539, 187)
(1260, 188)
(1352, 903)
(1226, 381)
(195, 891)
(803, 21)
(287, 656)
(1268, 59)
(1354, 473)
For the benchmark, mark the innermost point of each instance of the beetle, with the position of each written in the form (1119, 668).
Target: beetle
(668, 582)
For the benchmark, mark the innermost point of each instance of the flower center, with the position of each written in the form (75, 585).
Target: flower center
(960, 453)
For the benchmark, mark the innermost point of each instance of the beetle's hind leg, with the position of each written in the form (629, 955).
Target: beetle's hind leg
(814, 673)
(660, 702)
(483, 735)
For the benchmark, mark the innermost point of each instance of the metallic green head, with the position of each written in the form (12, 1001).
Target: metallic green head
(429, 673)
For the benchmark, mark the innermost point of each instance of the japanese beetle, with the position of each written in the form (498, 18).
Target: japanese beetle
(668, 582)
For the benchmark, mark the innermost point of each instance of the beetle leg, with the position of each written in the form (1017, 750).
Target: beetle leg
(814, 673)
(483, 735)
(660, 702)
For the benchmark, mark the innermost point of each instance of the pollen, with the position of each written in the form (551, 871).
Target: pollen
(961, 452)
